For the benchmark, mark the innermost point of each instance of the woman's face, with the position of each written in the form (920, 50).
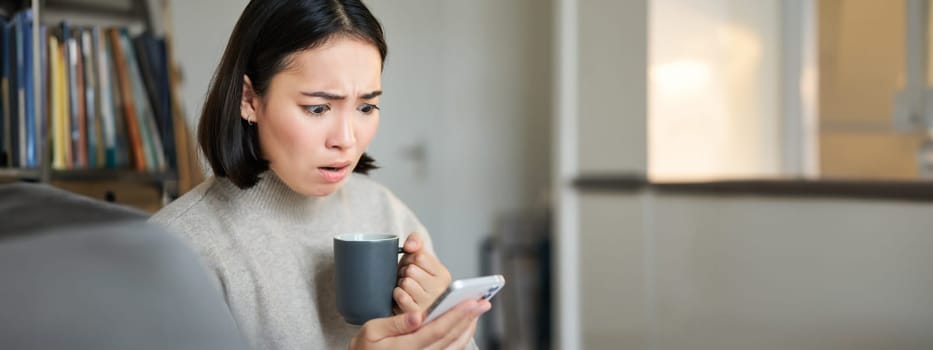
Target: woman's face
(319, 114)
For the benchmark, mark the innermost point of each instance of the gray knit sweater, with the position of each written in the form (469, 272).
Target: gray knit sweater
(271, 250)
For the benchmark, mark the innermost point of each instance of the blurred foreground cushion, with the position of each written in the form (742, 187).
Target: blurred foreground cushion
(76, 273)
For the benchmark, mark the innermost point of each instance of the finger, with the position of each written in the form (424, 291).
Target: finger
(454, 322)
(404, 301)
(429, 263)
(407, 259)
(455, 332)
(426, 261)
(464, 338)
(432, 334)
(413, 243)
(380, 328)
(467, 336)
(415, 290)
(414, 271)
(432, 285)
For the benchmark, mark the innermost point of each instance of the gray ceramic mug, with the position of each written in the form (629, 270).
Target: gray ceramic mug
(366, 274)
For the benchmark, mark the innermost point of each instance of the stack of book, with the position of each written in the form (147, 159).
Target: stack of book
(103, 98)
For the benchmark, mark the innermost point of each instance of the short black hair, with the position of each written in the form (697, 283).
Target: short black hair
(263, 40)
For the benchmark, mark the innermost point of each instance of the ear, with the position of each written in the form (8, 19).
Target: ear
(249, 103)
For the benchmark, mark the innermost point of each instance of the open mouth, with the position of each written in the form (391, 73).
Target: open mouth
(336, 166)
(335, 172)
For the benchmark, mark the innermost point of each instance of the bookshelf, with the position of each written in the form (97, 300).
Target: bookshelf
(105, 119)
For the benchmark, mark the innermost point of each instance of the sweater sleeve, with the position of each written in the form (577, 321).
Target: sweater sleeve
(181, 229)
(178, 219)
(182, 219)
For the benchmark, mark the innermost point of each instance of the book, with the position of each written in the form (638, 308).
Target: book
(135, 142)
(81, 151)
(12, 94)
(12, 97)
(105, 100)
(4, 89)
(141, 44)
(58, 105)
(153, 63)
(71, 62)
(153, 144)
(42, 114)
(17, 121)
(85, 97)
(28, 141)
(119, 118)
(92, 125)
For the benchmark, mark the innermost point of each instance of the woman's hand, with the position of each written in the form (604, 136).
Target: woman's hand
(422, 278)
(452, 330)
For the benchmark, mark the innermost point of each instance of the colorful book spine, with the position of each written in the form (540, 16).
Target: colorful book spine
(19, 122)
(153, 144)
(124, 146)
(106, 101)
(126, 96)
(42, 116)
(83, 98)
(58, 105)
(151, 54)
(28, 151)
(71, 62)
(79, 92)
(12, 94)
(5, 51)
(92, 125)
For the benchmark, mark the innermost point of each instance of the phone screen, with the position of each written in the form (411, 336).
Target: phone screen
(474, 288)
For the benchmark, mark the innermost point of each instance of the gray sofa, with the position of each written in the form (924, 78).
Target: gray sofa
(77, 273)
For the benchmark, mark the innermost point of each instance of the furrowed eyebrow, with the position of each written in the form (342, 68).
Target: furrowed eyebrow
(371, 95)
(324, 95)
(330, 96)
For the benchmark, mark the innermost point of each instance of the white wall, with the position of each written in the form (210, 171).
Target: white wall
(665, 271)
(612, 53)
(201, 29)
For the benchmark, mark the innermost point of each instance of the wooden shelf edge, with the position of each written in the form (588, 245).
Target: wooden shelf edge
(111, 175)
(20, 173)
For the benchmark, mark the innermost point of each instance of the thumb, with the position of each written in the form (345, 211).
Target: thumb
(381, 328)
(413, 243)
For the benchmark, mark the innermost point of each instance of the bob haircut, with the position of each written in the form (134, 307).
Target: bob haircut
(263, 41)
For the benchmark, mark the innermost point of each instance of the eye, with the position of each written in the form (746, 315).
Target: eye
(317, 110)
(367, 108)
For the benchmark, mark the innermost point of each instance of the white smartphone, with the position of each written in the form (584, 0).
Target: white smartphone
(460, 290)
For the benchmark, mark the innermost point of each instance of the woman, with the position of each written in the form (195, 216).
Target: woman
(289, 113)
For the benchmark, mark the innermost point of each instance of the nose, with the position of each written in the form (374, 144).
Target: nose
(341, 134)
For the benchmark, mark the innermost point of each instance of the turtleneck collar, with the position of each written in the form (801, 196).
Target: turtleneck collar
(271, 198)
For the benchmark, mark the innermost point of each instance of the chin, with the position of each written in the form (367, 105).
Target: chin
(321, 190)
